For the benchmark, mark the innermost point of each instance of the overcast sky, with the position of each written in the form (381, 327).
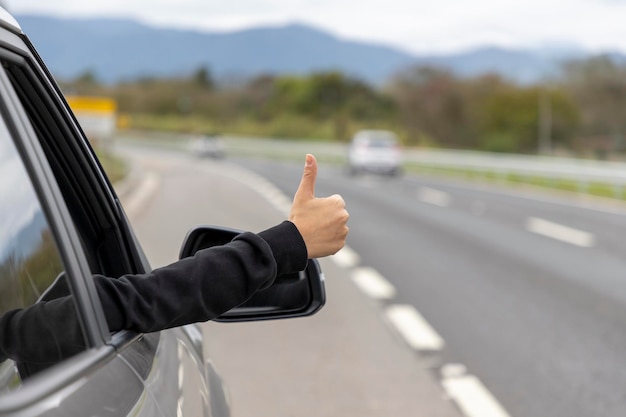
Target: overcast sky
(419, 26)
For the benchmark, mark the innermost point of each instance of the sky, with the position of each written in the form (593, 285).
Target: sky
(416, 26)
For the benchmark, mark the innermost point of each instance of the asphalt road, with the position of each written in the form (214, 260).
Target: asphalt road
(344, 361)
(528, 292)
(523, 294)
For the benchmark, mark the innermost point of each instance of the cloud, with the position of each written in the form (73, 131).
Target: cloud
(416, 25)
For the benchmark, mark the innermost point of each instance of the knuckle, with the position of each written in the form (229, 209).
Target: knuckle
(337, 199)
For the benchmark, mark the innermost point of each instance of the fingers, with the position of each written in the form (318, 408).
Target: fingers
(306, 189)
(322, 222)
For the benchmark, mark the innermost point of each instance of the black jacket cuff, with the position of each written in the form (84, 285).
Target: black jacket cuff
(287, 246)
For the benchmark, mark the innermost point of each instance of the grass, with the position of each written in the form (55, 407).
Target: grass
(591, 188)
(115, 167)
(276, 149)
(287, 126)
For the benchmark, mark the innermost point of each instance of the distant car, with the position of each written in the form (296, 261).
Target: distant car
(211, 146)
(375, 151)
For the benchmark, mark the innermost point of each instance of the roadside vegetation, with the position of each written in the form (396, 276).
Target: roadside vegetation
(580, 112)
(115, 167)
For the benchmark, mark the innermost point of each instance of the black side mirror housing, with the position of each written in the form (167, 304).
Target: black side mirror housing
(295, 295)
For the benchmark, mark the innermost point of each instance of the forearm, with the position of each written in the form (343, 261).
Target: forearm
(195, 289)
(204, 286)
(44, 333)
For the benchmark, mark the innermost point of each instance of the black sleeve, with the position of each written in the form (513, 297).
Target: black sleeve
(44, 333)
(195, 289)
(204, 286)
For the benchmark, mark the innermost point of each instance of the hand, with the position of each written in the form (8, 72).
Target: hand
(322, 222)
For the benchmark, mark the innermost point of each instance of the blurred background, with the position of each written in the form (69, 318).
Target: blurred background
(523, 77)
(485, 269)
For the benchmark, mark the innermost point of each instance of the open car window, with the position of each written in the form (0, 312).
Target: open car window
(31, 273)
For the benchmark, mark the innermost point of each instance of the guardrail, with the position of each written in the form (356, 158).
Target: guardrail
(583, 172)
(580, 170)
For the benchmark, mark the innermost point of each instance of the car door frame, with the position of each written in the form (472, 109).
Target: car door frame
(101, 347)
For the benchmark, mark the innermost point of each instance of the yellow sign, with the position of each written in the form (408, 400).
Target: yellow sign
(96, 115)
(86, 104)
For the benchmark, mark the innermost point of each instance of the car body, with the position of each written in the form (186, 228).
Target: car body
(61, 222)
(210, 145)
(374, 151)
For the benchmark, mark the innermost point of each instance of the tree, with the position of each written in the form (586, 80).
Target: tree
(432, 103)
(202, 78)
(598, 86)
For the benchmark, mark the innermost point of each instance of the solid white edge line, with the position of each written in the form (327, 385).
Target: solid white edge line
(142, 193)
(372, 283)
(260, 184)
(414, 328)
(560, 232)
(472, 397)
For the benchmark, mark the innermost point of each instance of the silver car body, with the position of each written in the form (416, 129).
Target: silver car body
(374, 151)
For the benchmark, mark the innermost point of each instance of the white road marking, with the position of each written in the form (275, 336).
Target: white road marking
(181, 381)
(142, 193)
(372, 283)
(346, 258)
(260, 184)
(560, 232)
(472, 396)
(181, 368)
(434, 197)
(414, 328)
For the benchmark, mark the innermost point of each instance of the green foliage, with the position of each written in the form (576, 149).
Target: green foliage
(328, 96)
(114, 166)
(433, 103)
(202, 78)
(584, 109)
(598, 88)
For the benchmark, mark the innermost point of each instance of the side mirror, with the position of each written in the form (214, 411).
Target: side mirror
(295, 295)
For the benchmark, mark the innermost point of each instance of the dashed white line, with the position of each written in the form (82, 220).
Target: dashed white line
(372, 283)
(466, 390)
(434, 197)
(560, 232)
(346, 258)
(414, 328)
(472, 397)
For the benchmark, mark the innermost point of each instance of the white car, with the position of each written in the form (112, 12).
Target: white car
(208, 146)
(376, 151)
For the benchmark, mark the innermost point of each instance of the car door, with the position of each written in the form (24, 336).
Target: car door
(92, 371)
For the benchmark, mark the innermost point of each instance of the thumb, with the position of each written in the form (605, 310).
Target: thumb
(306, 189)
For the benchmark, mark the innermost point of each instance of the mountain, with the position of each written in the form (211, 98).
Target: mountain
(117, 49)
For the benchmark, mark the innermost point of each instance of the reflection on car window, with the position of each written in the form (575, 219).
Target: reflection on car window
(29, 260)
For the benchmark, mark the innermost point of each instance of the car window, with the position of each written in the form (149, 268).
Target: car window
(73, 170)
(382, 143)
(100, 229)
(31, 269)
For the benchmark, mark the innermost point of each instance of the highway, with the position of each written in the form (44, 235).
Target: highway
(520, 293)
(528, 293)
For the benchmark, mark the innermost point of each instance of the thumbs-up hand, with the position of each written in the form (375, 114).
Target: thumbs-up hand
(322, 222)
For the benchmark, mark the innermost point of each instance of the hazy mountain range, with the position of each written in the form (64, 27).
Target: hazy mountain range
(117, 49)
